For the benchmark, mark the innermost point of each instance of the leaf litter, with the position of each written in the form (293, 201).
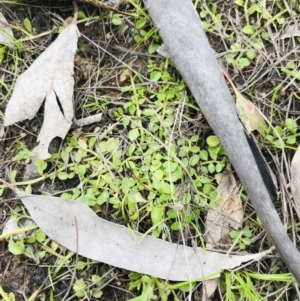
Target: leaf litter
(73, 224)
(226, 214)
(295, 180)
(49, 79)
(6, 34)
(248, 112)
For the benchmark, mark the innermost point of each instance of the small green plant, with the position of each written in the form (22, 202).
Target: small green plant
(6, 296)
(239, 286)
(241, 237)
(88, 288)
(27, 25)
(149, 287)
(284, 136)
(23, 153)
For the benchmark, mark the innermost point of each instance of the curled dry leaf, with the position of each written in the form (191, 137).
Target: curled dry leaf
(291, 31)
(248, 112)
(295, 180)
(76, 227)
(49, 78)
(6, 34)
(227, 214)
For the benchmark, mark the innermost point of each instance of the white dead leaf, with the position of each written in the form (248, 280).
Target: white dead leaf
(227, 214)
(295, 180)
(209, 287)
(49, 78)
(65, 221)
(6, 34)
(291, 31)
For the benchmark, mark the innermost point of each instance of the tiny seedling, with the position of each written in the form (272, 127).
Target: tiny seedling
(241, 237)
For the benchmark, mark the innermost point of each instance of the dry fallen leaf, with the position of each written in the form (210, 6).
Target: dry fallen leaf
(291, 31)
(226, 215)
(49, 78)
(248, 112)
(76, 227)
(6, 34)
(295, 180)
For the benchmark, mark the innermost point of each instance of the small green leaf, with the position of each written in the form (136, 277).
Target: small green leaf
(28, 189)
(140, 23)
(212, 140)
(27, 25)
(41, 166)
(158, 174)
(16, 248)
(81, 15)
(234, 234)
(152, 48)
(3, 50)
(239, 2)
(207, 188)
(248, 29)
(291, 125)
(293, 73)
(211, 167)
(80, 265)
(291, 65)
(155, 75)
(278, 144)
(62, 175)
(103, 197)
(194, 160)
(97, 294)
(219, 167)
(177, 226)
(247, 233)
(170, 166)
(148, 112)
(242, 62)
(79, 288)
(133, 134)
(278, 131)
(246, 241)
(108, 146)
(40, 235)
(116, 19)
(251, 55)
(291, 139)
(157, 213)
(31, 239)
(204, 155)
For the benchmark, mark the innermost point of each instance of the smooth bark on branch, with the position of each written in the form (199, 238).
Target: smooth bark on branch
(187, 44)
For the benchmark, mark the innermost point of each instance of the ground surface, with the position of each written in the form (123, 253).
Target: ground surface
(249, 42)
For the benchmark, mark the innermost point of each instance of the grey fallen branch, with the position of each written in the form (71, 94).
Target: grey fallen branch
(187, 44)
